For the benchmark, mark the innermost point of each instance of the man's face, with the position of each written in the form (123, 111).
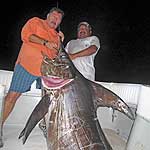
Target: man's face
(83, 32)
(54, 19)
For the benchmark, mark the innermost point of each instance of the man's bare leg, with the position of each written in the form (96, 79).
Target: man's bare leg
(7, 107)
(9, 103)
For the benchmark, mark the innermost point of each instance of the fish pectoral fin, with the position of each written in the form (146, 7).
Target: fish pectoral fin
(37, 114)
(104, 97)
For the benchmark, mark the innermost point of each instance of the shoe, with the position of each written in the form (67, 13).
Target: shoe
(43, 128)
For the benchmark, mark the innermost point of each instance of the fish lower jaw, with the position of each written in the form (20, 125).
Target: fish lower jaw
(54, 82)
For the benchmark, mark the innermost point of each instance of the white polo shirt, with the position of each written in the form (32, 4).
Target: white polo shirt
(85, 64)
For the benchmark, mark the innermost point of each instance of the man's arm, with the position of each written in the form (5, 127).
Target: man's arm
(36, 39)
(86, 52)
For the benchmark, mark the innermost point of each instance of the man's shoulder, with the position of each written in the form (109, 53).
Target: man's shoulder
(93, 37)
(94, 40)
(35, 19)
(73, 40)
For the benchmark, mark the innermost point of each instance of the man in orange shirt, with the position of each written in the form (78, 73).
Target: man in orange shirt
(38, 36)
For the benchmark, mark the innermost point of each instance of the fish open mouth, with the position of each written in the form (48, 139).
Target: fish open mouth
(53, 82)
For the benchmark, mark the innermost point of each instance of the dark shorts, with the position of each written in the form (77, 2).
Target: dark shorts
(22, 80)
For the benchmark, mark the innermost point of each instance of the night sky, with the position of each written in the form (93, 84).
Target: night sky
(123, 27)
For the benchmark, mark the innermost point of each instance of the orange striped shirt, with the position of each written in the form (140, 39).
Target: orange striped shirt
(30, 56)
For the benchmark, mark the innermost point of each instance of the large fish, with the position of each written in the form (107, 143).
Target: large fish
(71, 102)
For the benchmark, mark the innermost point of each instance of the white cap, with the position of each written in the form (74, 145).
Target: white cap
(86, 24)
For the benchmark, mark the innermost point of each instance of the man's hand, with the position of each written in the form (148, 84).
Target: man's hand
(51, 45)
(61, 35)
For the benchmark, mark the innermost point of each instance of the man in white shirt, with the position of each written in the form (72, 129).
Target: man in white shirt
(83, 50)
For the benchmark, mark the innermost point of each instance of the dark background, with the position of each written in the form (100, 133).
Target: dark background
(122, 26)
